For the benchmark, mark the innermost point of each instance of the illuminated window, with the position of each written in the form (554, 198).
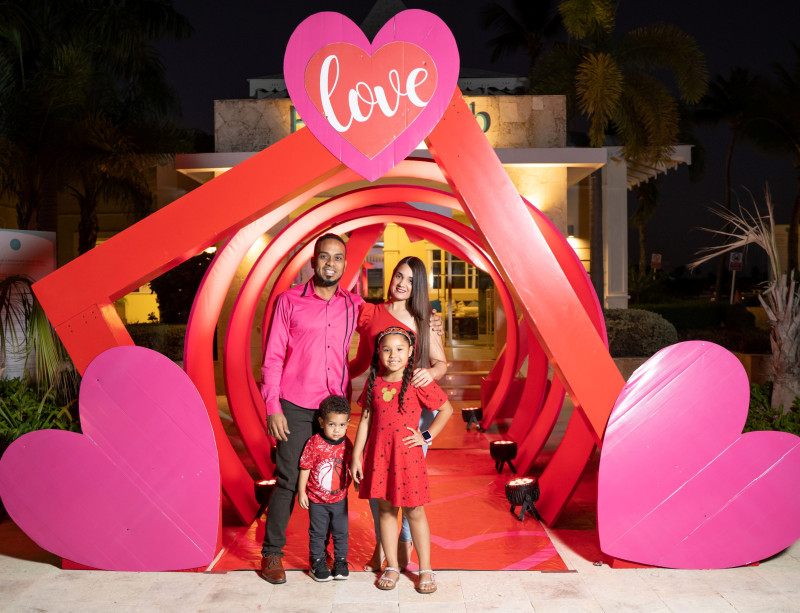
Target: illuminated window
(463, 275)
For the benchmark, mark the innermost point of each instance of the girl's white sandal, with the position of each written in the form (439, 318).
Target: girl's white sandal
(388, 579)
(427, 587)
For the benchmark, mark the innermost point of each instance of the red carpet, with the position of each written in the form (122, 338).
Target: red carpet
(471, 524)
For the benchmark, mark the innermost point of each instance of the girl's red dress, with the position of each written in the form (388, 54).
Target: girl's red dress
(392, 470)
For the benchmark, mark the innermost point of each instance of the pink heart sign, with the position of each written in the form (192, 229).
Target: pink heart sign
(680, 486)
(139, 489)
(371, 105)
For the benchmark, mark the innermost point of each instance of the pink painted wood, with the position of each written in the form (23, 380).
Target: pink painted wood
(139, 489)
(680, 486)
(413, 40)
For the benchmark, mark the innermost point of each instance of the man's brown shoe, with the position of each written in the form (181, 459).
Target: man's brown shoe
(272, 569)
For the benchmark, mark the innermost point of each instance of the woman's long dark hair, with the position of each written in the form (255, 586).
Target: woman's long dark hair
(374, 367)
(419, 306)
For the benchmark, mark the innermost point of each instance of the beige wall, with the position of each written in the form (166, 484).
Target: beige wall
(514, 121)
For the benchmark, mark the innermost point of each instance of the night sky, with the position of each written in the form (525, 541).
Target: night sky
(240, 39)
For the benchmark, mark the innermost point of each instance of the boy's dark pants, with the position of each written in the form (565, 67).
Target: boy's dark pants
(320, 517)
(302, 426)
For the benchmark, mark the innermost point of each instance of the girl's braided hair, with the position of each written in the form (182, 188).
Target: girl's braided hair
(375, 364)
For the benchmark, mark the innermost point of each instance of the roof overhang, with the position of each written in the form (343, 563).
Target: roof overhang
(580, 162)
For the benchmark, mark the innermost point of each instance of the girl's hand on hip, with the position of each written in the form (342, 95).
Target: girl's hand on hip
(421, 377)
(414, 439)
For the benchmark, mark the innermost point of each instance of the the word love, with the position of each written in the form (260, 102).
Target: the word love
(370, 99)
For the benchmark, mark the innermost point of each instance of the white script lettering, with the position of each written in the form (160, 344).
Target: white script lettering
(363, 94)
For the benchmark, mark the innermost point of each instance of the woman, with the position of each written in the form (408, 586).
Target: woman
(408, 307)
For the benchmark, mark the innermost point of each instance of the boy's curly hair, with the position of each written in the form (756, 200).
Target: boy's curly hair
(334, 404)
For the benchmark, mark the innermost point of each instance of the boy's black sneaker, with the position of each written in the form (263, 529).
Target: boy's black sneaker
(341, 571)
(319, 570)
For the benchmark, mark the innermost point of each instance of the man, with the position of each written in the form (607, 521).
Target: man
(305, 361)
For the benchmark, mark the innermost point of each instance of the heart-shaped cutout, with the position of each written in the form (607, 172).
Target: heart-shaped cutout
(680, 486)
(139, 489)
(372, 104)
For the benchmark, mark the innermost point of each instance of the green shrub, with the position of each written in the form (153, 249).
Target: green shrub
(167, 339)
(762, 417)
(23, 409)
(733, 339)
(637, 333)
(691, 314)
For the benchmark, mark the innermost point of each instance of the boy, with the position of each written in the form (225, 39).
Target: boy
(322, 488)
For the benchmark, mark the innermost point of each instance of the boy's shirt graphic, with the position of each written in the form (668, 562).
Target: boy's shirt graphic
(328, 462)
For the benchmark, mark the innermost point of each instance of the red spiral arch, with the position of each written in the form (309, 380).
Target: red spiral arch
(245, 393)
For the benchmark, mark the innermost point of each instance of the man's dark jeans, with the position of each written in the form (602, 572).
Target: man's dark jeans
(302, 425)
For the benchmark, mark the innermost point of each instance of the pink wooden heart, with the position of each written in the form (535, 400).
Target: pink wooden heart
(372, 104)
(680, 486)
(139, 489)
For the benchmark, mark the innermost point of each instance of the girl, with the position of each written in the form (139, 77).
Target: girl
(406, 306)
(392, 468)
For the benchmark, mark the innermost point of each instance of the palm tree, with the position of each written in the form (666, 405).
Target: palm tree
(647, 195)
(779, 131)
(525, 26)
(737, 101)
(64, 64)
(616, 84)
(26, 335)
(42, 81)
(110, 164)
(780, 297)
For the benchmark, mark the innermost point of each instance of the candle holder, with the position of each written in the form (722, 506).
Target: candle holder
(472, 415)
(523, 493)
(503, 452)
(263, 490)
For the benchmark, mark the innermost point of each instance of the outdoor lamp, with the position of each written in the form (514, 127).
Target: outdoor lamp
(503, 452)
(263, 490)
(523, 493)
(472, 415)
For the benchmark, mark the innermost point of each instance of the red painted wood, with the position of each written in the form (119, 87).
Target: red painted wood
(495, 209)
(86, 321)
(549, 303)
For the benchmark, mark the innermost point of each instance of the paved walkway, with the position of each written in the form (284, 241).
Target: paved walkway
(30, 580)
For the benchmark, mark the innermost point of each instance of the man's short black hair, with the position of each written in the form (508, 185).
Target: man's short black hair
(328, 237)
(334, 404)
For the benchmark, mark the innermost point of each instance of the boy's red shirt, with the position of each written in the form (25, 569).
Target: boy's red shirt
(329, 463)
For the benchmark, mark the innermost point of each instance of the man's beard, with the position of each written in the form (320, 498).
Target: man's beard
(320, 282)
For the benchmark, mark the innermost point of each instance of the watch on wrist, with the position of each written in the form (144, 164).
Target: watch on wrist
(426, 436)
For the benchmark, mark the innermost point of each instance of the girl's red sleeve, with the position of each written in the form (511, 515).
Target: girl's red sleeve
(431, 396)
(362, 398)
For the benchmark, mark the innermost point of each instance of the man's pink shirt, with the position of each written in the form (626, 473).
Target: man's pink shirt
(307, 346)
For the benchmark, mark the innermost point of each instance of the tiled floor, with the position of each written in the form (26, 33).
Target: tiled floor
(30, 580)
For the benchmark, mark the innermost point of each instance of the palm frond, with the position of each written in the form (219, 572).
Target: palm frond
(664, 46)
(745, 228)
(22, 314)
(599, 83)
(588, 18)
(647, 119)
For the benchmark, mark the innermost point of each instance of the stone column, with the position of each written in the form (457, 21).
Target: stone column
(615, 232)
